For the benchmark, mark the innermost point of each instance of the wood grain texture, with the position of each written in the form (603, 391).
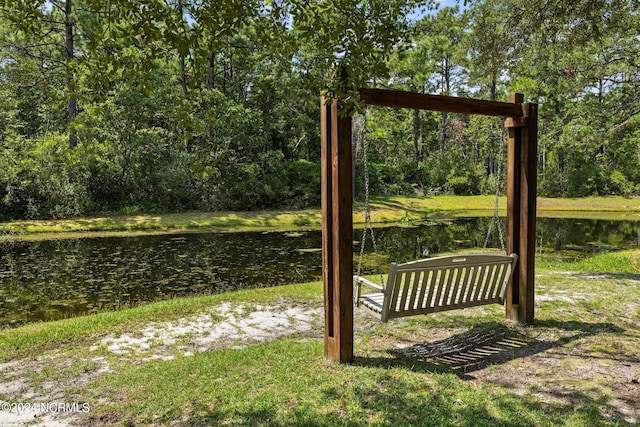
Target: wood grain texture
(451, 104)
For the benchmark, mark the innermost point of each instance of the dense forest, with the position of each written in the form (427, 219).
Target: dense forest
(170, 105)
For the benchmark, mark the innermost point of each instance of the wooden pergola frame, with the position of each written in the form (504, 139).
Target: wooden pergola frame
(337, 208)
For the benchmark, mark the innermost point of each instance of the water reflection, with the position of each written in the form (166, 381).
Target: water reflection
(61, 278)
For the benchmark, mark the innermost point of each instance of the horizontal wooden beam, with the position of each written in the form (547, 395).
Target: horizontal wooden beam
(451, 104)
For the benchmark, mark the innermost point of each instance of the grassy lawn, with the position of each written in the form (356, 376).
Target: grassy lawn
(385, 210)
(578, 366)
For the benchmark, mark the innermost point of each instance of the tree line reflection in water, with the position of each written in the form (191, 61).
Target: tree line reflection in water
(54, 279)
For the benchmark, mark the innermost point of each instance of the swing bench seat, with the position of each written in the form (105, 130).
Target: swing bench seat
(438, 284)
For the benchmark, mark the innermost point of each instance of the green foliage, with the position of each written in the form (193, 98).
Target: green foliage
(462, 182)
(303, 178)
(43, 178)
(214, 105)
(355, 38)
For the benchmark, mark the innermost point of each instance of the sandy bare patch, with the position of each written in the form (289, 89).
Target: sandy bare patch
(559, 296)
(224, 326)
(28, 406)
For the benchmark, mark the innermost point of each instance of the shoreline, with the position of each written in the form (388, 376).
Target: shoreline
(385, 211)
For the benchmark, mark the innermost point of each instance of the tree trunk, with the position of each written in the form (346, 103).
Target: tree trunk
(493, 89)
(211, 75)
(72, 110)
(417, 135)
(446, 90)
(184, 77)
(443, 133)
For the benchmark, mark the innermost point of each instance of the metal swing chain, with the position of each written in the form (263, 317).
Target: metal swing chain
(496, 216)
(367, 205)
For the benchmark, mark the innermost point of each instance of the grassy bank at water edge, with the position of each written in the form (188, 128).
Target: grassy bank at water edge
(384, 210)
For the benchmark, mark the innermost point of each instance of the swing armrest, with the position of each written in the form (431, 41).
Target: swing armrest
(368, 283)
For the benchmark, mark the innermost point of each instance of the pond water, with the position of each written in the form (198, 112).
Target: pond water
(53, 279)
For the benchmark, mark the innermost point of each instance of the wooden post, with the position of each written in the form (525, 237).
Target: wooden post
(327, 221)
(337, 232)
(513, 204)
(528, 192)
(521, 209)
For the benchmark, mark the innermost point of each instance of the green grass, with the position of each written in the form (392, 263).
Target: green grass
(289, 383)
(569, 369)
(614, 262)
(407, 209)
(385, 210)
(225, 221)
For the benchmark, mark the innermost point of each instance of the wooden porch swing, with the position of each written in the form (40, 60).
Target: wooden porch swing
(440, 283)
(434, 284)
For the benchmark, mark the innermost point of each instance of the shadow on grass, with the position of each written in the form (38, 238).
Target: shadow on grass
(400, 404)
(483, 346)
(419, 212)
(614, 276)
(425, 211)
